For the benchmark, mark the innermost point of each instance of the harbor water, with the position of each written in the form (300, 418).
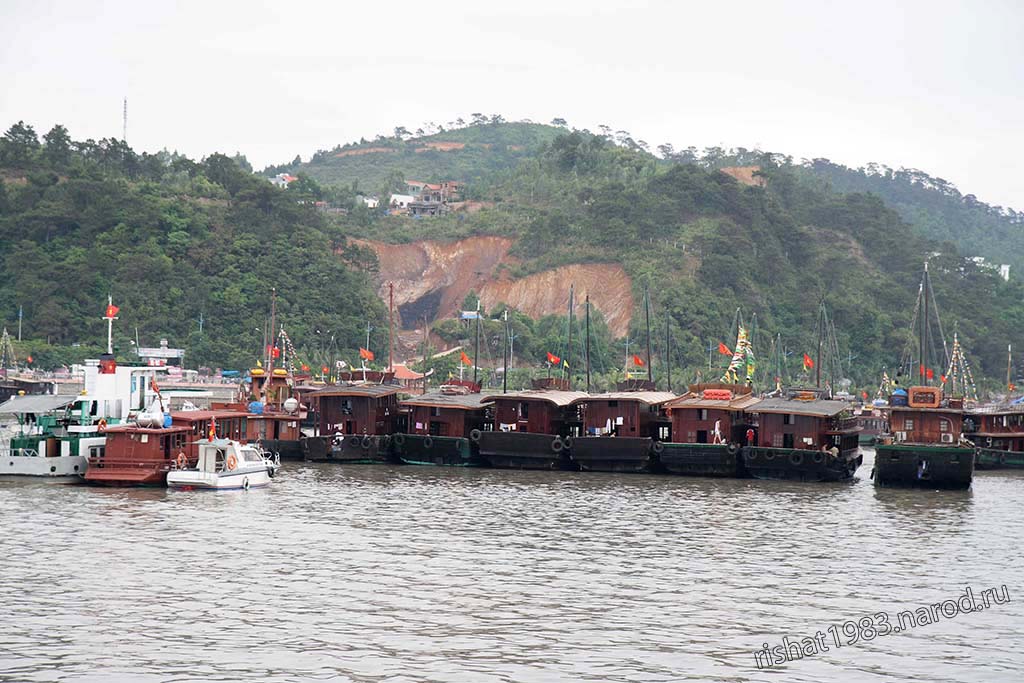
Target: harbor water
(402, 574)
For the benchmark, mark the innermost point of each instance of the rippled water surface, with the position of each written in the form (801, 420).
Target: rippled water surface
(374, 573)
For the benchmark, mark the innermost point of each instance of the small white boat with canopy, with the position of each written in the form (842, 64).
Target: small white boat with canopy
(224, 464)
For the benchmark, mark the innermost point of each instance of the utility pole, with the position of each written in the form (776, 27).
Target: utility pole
(124, 123)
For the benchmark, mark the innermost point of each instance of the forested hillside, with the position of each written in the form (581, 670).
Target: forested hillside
(174, 239)
(171, 240)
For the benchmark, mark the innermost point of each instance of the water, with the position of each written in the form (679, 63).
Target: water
(374, 573)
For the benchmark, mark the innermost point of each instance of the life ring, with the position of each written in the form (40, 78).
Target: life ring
(557, 444)
(796, 458)
(818, 457)
(232, 461)
(399, 439)
(366, 442)
(101, 425)
(475, 435)
(428, 441)
(245, 483)
(181, 460)
(658, 447)
(732, 448)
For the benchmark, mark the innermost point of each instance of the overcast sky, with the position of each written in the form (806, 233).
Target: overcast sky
(932, 85)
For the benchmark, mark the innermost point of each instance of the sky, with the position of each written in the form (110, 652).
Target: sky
(937, 86)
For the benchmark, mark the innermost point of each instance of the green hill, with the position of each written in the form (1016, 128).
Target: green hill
(465, 154)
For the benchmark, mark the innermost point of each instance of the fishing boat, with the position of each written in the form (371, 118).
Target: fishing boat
(709, 427)
(803, 436)
(872, 422)
(997, 432)
(444, 427)
(356, 422)
(925, 447)
(622, 431)
(533, 429)
(224, 464)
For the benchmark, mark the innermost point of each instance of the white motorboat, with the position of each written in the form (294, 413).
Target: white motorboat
(224, 464)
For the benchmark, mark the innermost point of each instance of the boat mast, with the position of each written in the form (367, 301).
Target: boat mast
(391, 326)
(647, 322)
(1009, 361)
(504, 358)
(817, 362)
(273, 334)
(668, 354)
(424, 354)
(588, 344)
(923, 365)
(568, 352)
(476, 345)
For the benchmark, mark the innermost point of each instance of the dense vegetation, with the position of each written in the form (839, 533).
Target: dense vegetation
(171, 240)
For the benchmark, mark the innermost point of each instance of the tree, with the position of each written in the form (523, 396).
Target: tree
(561, 123)
(666, 150)
(478, 119)
(401, 132)
(57, 146)
(19, 145)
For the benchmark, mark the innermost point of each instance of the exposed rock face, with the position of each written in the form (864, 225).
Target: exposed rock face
(433, 278)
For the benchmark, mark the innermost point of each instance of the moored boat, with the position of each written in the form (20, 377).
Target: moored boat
(997, 432)
(223, 464)
(533, 429)
(355, 423)
(622, 431)
(444, 428)
(803, 437)
(709, 425)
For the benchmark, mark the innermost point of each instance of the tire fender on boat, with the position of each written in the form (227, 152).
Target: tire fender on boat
(428, 441)
(796, 458)
(658, 447)
(245, 483)
(399, 438)
(817, 457)
(567, 442)
(732, 448)
(557, 444)
(366, 442)
(475, 435)
(750, 456)
(1002, 458)
(354, 441)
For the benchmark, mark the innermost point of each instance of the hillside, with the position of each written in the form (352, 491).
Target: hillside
(466, 154)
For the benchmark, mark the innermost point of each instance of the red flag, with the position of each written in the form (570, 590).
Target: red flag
(276, 353)
(723, 349)
(211, 434)
(864, 394)
(808, 361)
(943, 378)
(920, 369)
(1012, 386)
(929, 373)
(111, 311)
(465, 359)
(325, 369)
(637, 360)
(29, 359)
(365, 353)
(305, 368)
(553, 359)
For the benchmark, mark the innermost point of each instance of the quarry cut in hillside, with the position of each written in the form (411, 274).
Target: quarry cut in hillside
(433, 278)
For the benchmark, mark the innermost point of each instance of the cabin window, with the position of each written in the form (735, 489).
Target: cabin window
(664, 433)
(908, 425)
(788, 419)
(702, 436)
(776, 440)
(524, 410)
(435, 411)
(97, 451)
(943, 425)
(787, 441)
(346, 406)
(691, 437)
(702, 415)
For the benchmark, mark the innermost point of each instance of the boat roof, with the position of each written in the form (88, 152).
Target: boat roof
(912, 409)
(196, 415)
(439, 399)
(691, 400)
(991, 409)
(817, 407)
(651, 398)
(37, 403)
(134, 428)
(369, 390)
(558, 398)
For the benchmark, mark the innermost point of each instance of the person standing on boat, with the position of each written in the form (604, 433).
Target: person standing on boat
(718, 432)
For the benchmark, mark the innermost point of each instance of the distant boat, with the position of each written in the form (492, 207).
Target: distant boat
(444, 427)
(224, 464)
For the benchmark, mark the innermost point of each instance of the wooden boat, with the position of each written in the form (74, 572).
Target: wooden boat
(444, 428)
(803, 437)
(355, 423)
(925, 447)
(872, 422)
(533, 429)
(224, 464)
(622, 431)
(997, 432)
(709, 425)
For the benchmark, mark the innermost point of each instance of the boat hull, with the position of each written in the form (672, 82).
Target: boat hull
(702, 460)
(449, 451)
(361, 450)
(316, 448)
(127, 474)
(219, 481)
(613, 454)
(795, 464)
(60, 469)
(523, 451)
(995, 459)
(288, 449)
(949, 467)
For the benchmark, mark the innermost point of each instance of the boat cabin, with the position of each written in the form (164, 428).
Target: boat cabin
(357, 408)
(538, 412)
(451, 412)
(803, 421)
(626, 413)
(922, 415)
(229, 424)
(711, 413)
(999, 427)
